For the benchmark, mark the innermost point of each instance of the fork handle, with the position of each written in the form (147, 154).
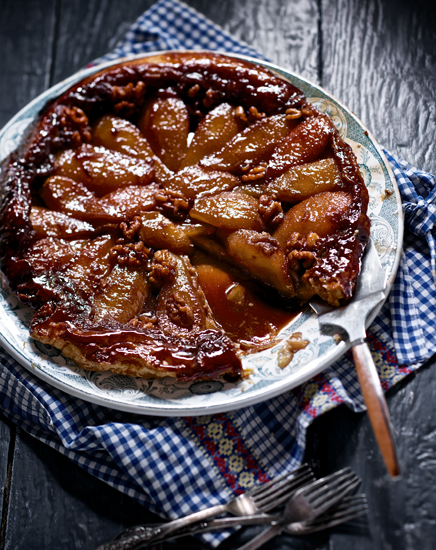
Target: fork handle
(376, 406)
(145, 537)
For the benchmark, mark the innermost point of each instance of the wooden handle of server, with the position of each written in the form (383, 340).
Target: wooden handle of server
(376, 405)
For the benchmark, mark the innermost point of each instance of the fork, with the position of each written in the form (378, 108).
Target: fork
(349, 508)
(260, 500)
(309, 502)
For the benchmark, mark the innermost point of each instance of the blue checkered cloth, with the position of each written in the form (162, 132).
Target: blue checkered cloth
(174, 466)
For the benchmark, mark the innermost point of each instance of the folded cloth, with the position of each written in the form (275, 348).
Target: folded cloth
(174, 466)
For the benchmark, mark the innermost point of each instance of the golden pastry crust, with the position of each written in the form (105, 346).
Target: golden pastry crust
(137, 167)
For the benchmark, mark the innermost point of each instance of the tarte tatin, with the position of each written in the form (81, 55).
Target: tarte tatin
(159, 208)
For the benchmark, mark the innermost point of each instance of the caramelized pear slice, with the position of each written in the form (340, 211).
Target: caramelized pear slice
(127, 202)
(228, 211)
(47, 223)
(51, 254)
(118, 134)
(181, 306)
(195, 181)
(304, 181)
(165, 125)
(122, 296)
(251, 146)
(102, 170)
(213, 132)
(304, 144)
(73, 198)
(159, 232)
(91, 264)
(261, 256)
(67, 196)
(320, 215)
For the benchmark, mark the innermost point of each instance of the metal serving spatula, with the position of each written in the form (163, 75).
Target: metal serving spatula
(369, 293)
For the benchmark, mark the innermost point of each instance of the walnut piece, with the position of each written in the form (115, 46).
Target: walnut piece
(129, 229)
(127, 98)
(133, 254)
(74, 125)
(179, 311)
(270, 210)
(163, 269)
(300, 260)
(256, 173)
(172, 204)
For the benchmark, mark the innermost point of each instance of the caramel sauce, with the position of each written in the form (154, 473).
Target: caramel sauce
(245, 315)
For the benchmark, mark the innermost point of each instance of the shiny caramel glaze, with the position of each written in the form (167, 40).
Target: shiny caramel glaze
(133, 170)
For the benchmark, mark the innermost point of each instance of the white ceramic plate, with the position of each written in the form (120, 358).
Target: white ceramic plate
(167, 397)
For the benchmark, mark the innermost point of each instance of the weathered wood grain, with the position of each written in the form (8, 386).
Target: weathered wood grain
(284, 32)
(401, 512)
(380, 60)
(89, 29)
(6, 440)
(27, 32)
(55, 504)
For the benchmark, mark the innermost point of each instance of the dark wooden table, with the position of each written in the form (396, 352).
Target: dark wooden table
(379, 58)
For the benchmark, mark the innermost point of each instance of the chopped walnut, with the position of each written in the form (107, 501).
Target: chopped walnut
(172, 203)
(299, 242)
(292, 113)
(162, 270)
(293, 239)
(266, 243)
(211, 97)
(256, 173)
(127, 98)
(292, 344)
(143, 322)
(300, 260)
(129, 229)
(240, 113)
(74, 125)
(180, 312)
(131, 253)
(253, 114)
(270, 210)
(311, 239)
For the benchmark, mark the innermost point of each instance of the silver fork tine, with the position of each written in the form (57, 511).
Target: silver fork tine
(272, 500)
(264, 487)
(329, 484)
(349, 505)
(333, 494)
(358, 508)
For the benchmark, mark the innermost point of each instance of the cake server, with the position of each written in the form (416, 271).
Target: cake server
(369, 293)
